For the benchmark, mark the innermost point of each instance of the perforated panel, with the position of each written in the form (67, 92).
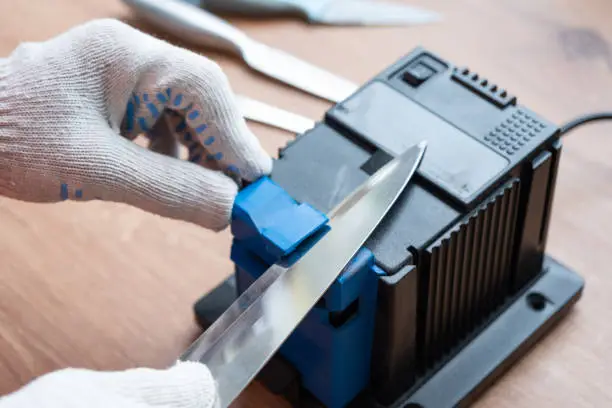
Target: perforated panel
(514, 133)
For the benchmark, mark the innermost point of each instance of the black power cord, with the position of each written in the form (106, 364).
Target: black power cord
(584, 119)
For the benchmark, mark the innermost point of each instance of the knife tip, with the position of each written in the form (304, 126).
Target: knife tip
(422, 144)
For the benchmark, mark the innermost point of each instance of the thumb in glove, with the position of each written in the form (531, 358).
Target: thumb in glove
(71, 107)
(185, 385)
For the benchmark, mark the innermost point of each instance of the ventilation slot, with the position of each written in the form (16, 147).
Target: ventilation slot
(483, 87)
(469, 274)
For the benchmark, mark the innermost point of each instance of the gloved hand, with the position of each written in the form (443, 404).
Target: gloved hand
(71, 106)
(69, 110)
(185, 385)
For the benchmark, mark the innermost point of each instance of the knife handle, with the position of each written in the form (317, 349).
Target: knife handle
(259, 8)
(191, 23)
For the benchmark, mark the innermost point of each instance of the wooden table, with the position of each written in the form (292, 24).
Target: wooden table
(123, 297)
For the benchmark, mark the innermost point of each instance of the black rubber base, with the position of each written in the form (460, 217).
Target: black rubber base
(464, 377)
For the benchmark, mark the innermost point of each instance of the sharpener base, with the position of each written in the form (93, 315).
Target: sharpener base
(473, 368)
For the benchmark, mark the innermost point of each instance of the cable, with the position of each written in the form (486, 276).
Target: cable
(584, 119)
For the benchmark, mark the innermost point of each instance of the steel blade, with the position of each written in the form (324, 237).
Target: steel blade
(238, 345)
(371, 13)
(298, 73)
(196, 25)
(271, 115)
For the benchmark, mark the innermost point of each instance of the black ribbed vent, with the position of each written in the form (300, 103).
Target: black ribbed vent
(469, 274)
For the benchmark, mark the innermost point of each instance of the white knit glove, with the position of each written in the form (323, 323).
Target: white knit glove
(71, 106)
(186, 385)
(69, 110)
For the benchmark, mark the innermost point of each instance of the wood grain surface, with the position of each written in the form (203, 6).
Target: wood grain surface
(114, 287)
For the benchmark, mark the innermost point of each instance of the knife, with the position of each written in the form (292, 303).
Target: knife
(261, 112)
(194, 24)
(243, 339)
(327, 12)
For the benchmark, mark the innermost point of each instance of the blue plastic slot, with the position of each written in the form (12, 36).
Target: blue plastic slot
(331, 348)
(271, 223)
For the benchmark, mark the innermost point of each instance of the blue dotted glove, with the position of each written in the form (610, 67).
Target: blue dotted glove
(71, 108)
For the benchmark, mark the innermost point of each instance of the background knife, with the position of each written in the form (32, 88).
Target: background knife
(261, 112)
(330, 12)
(193, 24)
(240, 342)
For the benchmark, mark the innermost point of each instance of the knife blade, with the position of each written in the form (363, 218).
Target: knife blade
(243, 339)
(329, 12)
(261, 112)
(201, 27)
(286, 68)
(371, 13)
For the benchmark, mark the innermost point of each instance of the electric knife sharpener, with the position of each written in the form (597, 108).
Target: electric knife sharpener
(454, 285)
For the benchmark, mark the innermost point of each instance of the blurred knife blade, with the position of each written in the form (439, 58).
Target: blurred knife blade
(300, 74)
(330, 12)
(371, 13)
(261, 112)
(198, 26)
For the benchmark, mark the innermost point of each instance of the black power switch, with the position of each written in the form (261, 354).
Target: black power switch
(418, 73)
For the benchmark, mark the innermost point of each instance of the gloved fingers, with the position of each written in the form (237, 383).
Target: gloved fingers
(143, 111)
(162, 140)
(196, 89)
(112, 168)
(67, 388)
(82, 82)
(144, 117)
(196, 150)
(124, 172)
(165, 139)
(184, 385)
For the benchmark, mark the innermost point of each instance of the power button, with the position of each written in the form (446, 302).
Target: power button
(418, 73)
